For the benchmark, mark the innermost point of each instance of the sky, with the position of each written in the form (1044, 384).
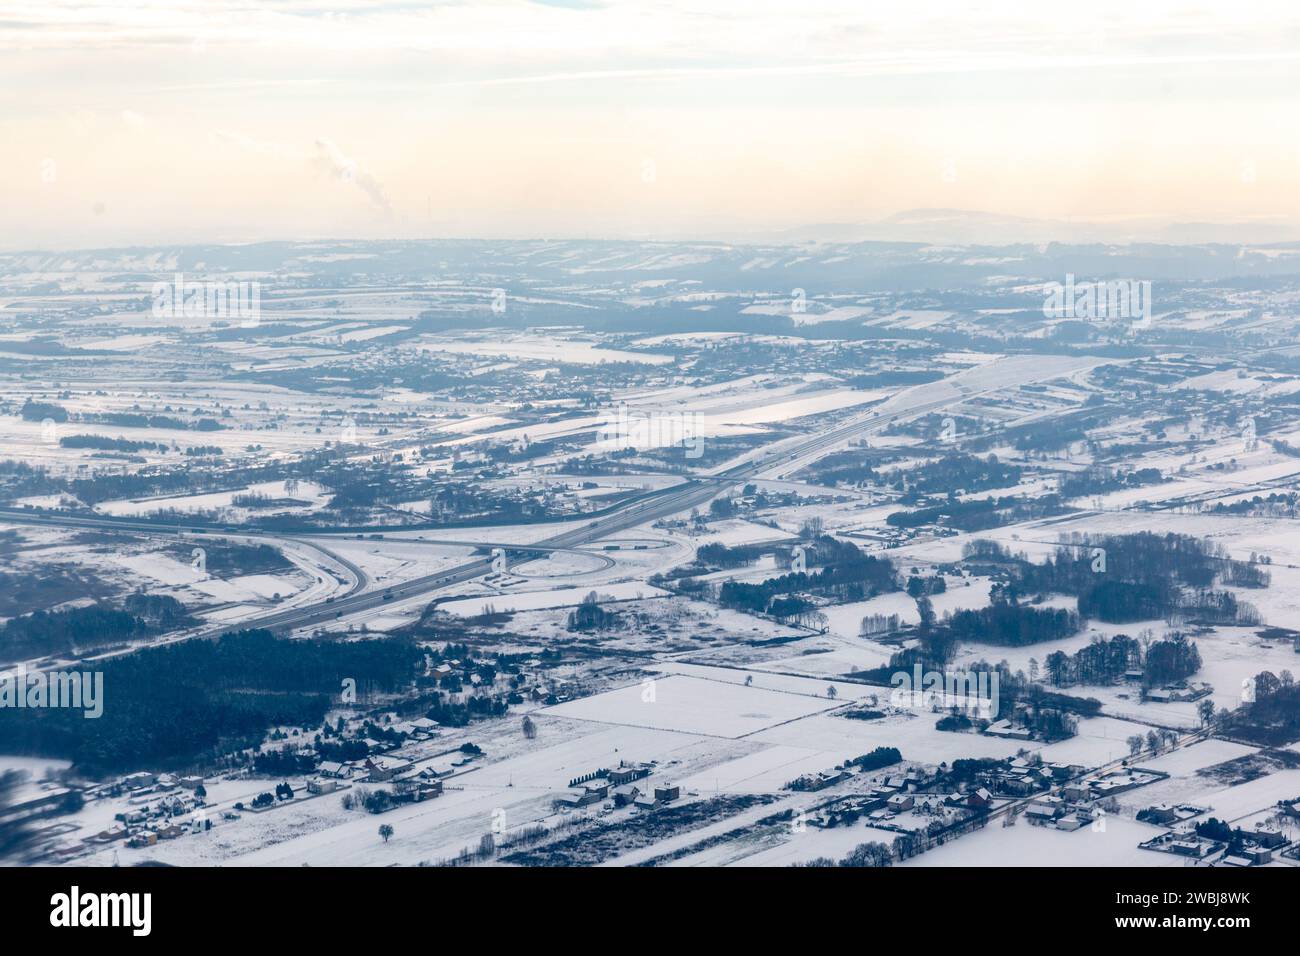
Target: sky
(202, 121)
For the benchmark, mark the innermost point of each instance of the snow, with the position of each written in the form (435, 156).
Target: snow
(557, 598)
(695, 705)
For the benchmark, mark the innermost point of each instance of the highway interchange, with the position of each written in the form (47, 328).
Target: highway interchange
(781, 458)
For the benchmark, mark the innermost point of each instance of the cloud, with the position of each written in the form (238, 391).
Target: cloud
(325, 157)
(330, 160)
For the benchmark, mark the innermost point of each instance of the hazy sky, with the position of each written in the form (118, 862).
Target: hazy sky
(127, 122)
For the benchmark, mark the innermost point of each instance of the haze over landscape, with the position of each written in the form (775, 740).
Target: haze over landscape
(563, 434)
(255, 120)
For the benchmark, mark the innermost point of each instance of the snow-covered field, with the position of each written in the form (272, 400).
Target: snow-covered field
(556, 598)
(697, 705)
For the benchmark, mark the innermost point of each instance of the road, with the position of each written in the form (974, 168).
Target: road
(784, 456)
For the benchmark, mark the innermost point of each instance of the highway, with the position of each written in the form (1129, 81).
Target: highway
(675, 500)
(672, 501)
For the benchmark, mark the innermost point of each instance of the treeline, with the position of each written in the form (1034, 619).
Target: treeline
(194, 701)
(161, 611)
(1035, 706)
(590, 616)
(880, 757)
(1171, 659)
(723, 557)
(32, 411)
(1055, 435)
(1277, 504)
(958, 470)
(848, 574)
(70, 632)
(979, 514)
(1014, 625)
(83, 629)
(897, 376)
(1100, 480)
(1134, 577)
(450, 713)
(39, 411)
(851, 466)
(140, 420)
(918, 586)
(233, 559)
(1272, 719)
(111, 444)
(321, 464)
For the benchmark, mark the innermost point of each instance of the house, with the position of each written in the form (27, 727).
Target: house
(1191, 848)
(1258, 855)
(900, 802)
(570, 800)
(1179, 692)
(979, 799)
(385, 768)
(1045, 809)
(645, 802)
(1271, 839)
(626, 773)
(1160, 815)
(134, 781)
(142, 839)
(574, 799)
(424, 727)
(170, 832)
(667, 793)
(626, 794)
(1004, 728)
(1020, 786)
(599, 788)
(192, 782)
(320, 785)
(416, 786)
(828, 778)
(1065, 771)
(916, 778)
(331, 768)
(117, 832)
